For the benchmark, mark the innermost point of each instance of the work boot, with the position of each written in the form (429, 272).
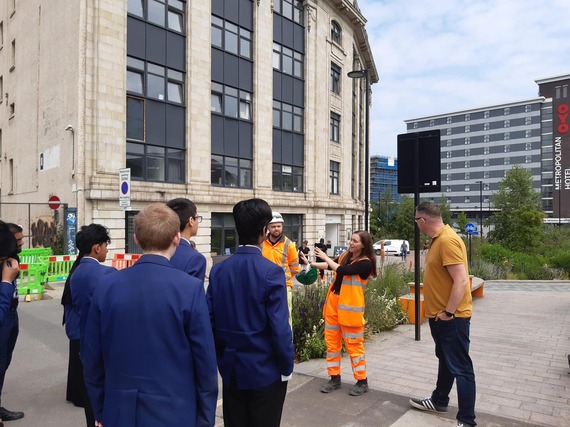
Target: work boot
(359, 388)
(332, 385)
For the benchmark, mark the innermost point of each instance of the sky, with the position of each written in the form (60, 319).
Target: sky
(440, 56)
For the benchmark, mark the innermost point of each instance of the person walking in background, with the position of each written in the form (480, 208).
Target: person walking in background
(278, 249)
(344, 310)
(404, 251)
(247, 301)
(186, 257)
(92, 242)
(10, 327)
(323, 247)
(303, 249)
(448, 306)
(149, 357)
(424, 251)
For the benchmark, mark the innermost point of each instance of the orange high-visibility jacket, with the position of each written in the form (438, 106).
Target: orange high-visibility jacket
(351, 298)
(284, 254)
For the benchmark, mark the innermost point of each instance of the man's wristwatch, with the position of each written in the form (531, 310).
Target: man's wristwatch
(448, 314)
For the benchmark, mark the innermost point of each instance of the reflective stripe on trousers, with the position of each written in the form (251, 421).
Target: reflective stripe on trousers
(353, 337)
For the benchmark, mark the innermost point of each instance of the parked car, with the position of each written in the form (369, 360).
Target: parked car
(391, 246)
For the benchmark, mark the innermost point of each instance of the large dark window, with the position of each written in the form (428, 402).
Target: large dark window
(231, 171)
(288, 61)
(334, 177)
(287, 178)
(335, 127)
(336, 32)
(224, 236)
(290, 9)
(293, 227)
(335, 79)
(288, 96)
(231, 101)
(155, 81)
(156, 113)
(231, 37)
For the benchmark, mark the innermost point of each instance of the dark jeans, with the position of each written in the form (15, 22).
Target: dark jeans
(8, 336)
(254, 408)
(452, 350)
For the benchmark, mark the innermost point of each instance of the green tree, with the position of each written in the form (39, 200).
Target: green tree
(462, 222)
(382, 214)
(401, 225)
(518, 220)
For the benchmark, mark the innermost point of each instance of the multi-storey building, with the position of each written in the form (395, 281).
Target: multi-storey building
(217, 101)
(383, 178)
(479, 146)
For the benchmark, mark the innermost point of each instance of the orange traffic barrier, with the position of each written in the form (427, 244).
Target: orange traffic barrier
(121, 261)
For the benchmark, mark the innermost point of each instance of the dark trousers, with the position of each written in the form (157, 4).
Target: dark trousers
(452, 350)
(8, 337)
(254, 408)
(76, 390)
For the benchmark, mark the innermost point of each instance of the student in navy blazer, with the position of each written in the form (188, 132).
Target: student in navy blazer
(247, 299)
(92, 241)
(149, 357)
(186, 258)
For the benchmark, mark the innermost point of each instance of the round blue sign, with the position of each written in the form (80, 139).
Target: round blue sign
(470, 228)
(124, 187)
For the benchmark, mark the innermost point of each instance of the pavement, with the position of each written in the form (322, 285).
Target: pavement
(519, 345)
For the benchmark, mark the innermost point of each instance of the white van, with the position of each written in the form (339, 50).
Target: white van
(391, 246)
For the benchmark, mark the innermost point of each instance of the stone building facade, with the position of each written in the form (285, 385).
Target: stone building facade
(185, 94)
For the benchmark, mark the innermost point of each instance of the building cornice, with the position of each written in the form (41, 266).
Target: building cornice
(351, 12)
(552, 79)
(478, 109)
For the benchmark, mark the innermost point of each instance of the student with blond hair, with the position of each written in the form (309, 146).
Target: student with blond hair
(149, 356)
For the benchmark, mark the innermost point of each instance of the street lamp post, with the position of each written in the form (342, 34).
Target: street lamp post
(359, 74)
(480, 208)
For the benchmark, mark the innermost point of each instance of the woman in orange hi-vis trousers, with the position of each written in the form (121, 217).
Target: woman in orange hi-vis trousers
(344, 310)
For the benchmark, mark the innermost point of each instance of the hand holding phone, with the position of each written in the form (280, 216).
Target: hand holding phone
(10, 270)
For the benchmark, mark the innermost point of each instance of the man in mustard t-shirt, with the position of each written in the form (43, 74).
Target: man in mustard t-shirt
(447, 300)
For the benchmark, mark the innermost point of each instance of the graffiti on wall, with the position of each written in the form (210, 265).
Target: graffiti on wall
(43, 233)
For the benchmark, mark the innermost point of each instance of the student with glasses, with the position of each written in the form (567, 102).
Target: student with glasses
(186, 258)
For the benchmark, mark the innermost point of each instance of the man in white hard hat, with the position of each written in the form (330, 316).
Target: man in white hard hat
(278, 249)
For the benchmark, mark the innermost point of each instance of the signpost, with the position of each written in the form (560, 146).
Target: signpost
(470, 229)
(419, 171)
(125, 188)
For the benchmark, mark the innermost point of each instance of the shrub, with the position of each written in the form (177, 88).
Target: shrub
(487, 270)
(561, 260)
(496, 254)
(394, 281)
(382, 309)
(308, 326)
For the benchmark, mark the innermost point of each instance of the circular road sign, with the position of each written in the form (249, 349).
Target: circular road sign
(470, 228)
(124, 187)
(54, 202)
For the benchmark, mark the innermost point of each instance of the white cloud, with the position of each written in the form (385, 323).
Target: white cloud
(438, 56)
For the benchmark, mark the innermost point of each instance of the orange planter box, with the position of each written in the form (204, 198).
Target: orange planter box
(407, 302)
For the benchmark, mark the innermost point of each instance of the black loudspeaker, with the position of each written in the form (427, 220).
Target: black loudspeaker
(419, 155)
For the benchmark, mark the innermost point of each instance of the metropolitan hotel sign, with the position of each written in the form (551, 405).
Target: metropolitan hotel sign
(561, 134)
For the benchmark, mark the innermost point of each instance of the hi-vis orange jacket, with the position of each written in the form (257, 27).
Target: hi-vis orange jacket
(284, 254)
(351, 298)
